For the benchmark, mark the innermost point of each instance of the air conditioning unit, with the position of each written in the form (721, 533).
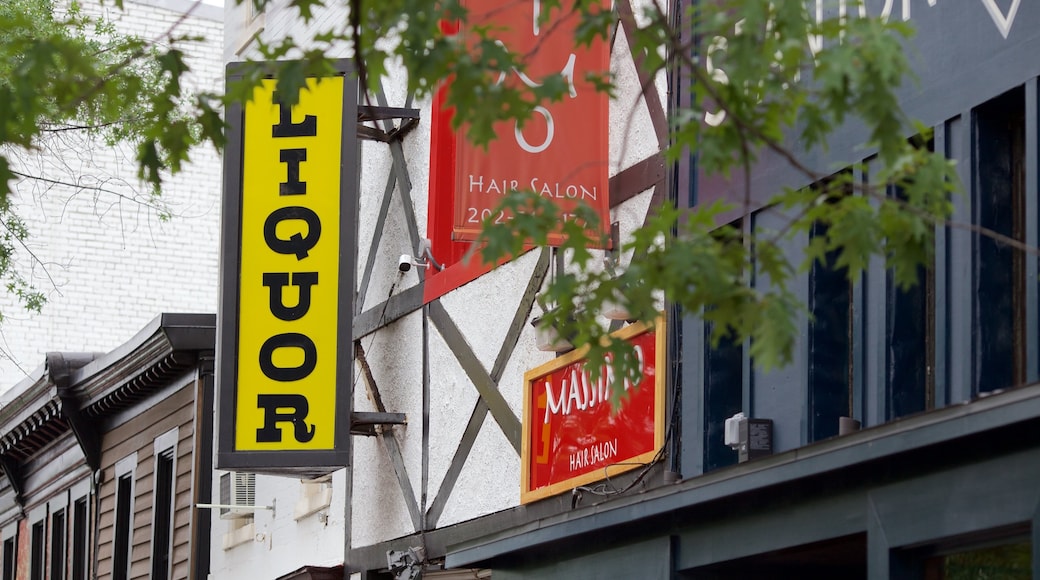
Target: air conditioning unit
(237, 489)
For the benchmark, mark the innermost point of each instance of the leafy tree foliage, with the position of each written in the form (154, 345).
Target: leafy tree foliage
(778, 81)
(62, 71)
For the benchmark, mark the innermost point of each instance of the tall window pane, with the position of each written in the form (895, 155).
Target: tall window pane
(163, 516)
(80, 527)
(830, 346)
(999, 269)
(37, 550)
(121, 550)
(58, 545)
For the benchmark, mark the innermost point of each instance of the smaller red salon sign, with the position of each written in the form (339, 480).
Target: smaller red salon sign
(572, 435)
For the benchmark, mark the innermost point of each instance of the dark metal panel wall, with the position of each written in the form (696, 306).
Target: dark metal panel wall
(753, 532)
(781, 394)
(940, 273)
(914, 513)
(1001, 494)
(960, 59)
(958, 271)
(992, 493)
(1032, 236)
(648, 560)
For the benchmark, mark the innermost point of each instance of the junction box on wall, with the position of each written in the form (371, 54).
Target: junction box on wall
(751, 438)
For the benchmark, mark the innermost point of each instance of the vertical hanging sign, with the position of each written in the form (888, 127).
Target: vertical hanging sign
(285, 350)
(561, 151)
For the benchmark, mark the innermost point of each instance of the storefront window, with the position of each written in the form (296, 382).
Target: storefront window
(1007, 562)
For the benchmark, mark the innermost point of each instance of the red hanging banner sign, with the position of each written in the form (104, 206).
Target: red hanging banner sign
(561, 151)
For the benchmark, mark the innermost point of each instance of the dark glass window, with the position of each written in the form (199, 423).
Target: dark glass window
(723, 377)
(121, 542)
(830, 345)
(1007, 562)
(723, 396)
(37, 550)
(910, 339)
(58, 545)
(10, 559)
(999, 269)
(908, 377)
(80, 527)
(163, 516)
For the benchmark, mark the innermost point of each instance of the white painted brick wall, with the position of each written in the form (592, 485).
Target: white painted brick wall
(111, 264)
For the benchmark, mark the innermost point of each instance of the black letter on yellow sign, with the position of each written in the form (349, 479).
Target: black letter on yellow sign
(288, 340)
(292, 159)
(286, 128)
(270, 432)
(278, 280)
(296, 244)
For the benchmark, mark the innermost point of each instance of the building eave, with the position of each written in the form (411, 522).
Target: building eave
(165, 347)
(1006, 417)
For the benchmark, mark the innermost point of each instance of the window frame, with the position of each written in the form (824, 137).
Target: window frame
(896, 335)
(79, 563)
(37, 524)
(57, 555)
(987, 119)
(9, 538)
(821, 425)
(125, 471)
(164, 446)
(722, 401)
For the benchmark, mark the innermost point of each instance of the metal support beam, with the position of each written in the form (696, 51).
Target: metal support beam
(373, 113)
(363, 423)
(368, 113)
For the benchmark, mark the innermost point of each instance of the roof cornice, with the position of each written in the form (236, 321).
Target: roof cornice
(165, 347)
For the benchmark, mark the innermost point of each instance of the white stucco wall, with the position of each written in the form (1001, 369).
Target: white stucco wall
(490, 478)
(108, 264)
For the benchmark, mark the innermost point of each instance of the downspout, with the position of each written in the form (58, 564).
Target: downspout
(204, 409)
(95, 488)
(674, 321)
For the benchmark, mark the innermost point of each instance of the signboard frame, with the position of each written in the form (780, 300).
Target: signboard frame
(288, 461)
(622, 463)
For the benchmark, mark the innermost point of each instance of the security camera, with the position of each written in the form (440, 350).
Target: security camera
(405, 263)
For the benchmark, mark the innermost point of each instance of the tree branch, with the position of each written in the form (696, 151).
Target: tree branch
(146, 202)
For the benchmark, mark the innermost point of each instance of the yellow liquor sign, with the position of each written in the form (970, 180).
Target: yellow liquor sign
(285, 351)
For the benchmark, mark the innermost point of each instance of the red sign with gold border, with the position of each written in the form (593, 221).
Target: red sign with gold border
(561, 151)
(572, 435)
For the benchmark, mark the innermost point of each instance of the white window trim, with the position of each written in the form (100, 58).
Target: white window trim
(58, 504)
(37, 516)
(165, 442)
(79, 491)
(253, 26)
(125, 466)
(9, 532)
